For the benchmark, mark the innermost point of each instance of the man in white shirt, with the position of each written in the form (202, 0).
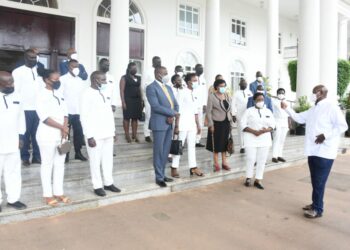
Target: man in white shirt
(147, 79)
(239, 104)
(111, 90)
(12, 128)
(282, 127)
(27, 85)
(202, 97)
(99, 129)
(72, 87)
(324, 125)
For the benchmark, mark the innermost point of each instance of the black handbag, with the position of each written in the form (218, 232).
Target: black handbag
(230, 149)
(176, 146)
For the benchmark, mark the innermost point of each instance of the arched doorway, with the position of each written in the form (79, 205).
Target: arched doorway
(187, 60)
(137, 32)
(237, 73)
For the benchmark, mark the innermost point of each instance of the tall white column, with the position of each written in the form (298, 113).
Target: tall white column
(343, 38)
(272, 63)
(309, 47)
(119, 40)
(329, 45)
(212, 40)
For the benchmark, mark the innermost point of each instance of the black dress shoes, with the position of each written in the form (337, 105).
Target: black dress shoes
(17, 205)
(199, 145)
(100, 192)
(162, 184)
(36, 161)
(281, 159)
(0, 209)
(67, 158)
(26, 163)
(258, 185)
(242, 151)
(166, 179)
(148, 139)
(112, 188)
(80, 156)
(274, 160)
(312, 214)
(247, 182)
(308, 207)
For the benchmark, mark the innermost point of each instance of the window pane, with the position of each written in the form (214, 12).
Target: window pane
(189, 8)
(243, 31)
(195, 19)
(182, 15)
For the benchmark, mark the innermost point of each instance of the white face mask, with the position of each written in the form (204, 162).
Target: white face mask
(260, 79)
(165, 79)
(74, 56)
(260, 91)
(195, 85)
(280, 96)
(76, 71)
(259, 105)
(313, 97)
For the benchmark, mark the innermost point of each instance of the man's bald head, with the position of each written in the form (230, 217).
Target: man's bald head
(320, 91)
(160, 72)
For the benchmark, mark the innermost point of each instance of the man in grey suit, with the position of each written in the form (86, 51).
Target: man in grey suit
(164, 108)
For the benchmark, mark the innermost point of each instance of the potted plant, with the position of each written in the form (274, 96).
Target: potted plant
(345, 105)
(301, 105)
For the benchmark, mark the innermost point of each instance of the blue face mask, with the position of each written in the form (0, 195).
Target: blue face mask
(102, 86)
(222, 90)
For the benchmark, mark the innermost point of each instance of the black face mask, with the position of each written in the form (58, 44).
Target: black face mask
(56, 85)
(7, 90)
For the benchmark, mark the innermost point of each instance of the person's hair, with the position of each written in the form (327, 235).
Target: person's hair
(177, 68)
(256, 95)
(260, 87)
(242, 81)
(157, 69)
(46, 73)
(95, 74)
(258, 74)
(103, 60)
(72, 61)
(29, 51)
(155, 58)
(198, 66)
(218, 82)
(189, 77)
(281, 89)
(217, 77)
(131, 64)
(174, 77)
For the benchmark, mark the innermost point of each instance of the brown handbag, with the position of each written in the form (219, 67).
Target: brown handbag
(64, 147)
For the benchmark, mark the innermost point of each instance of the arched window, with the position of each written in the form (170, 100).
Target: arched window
(43, 3)
(187, 60)
(237, 73)
(104, 10)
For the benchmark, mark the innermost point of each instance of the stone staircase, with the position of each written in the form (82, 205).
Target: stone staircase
(133, 173)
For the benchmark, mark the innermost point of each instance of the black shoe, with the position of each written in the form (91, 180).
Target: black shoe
(80, 156)
(199, 145)
(247, 182)
(148, 139)
(0, 209)
(274, 160)
(166, 179)
(242, 151)
(26, 163)
(112, 188)
(312, 214)
(170, 159)
(100, 192)
(17, 205)
(308, 207)
(281, 159)
(36, 161)
(258, 185)
(161, 184)
(67, 158)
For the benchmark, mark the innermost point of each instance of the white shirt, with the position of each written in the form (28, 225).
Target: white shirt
(50, 104)
(187, 109)
(12, 123)
(324, 118)
(96, 115)
(111, 90)
(239, 102)
(280, 115)
(72, 87)
(202, 92)
(147, 78)
(27, 84)
(257, 119)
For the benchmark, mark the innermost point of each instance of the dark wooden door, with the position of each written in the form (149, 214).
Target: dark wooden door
(20, 30)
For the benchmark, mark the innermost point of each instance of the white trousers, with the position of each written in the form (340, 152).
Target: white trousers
(52, 169)
(102, 154)
(190, 137)
(279, 137)
(201, 123)
(240, 133)
(10, 167)
(258, 156)
(146, 130)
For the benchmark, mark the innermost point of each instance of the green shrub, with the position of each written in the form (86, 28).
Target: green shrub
(302, 104)
(343, 75)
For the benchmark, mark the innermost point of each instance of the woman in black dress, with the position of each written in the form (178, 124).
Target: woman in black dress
(130, 93)
(219, 123)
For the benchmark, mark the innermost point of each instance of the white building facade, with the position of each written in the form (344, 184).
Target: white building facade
(234, 38)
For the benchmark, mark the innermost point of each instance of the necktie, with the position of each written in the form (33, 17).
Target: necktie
(166, 92)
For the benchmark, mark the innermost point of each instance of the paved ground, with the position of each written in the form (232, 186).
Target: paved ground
(222, 216)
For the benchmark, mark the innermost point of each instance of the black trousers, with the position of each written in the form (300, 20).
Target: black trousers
(78, 135)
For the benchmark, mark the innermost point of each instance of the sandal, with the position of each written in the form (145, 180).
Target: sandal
(196, 171)
(63, 199)
(51, 201)
(128, 138)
